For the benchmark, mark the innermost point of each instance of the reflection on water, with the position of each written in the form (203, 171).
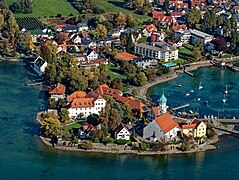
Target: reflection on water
(208, 100)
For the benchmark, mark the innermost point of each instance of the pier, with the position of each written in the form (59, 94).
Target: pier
(180, 107)
(35, 84)
(188, 73)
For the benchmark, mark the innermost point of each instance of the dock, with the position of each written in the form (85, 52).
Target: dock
(35, 84)
(180, 107)
(188, 73)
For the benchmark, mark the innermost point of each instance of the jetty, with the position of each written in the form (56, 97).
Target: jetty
(180, 107)
(35, 84)
(188, 73)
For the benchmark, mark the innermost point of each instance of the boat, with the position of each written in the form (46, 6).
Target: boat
(206, 103)
(200, 85)
(199, 99)
(179, 85)
(191, 112)
(187, 94)
(226, 91)
(224, 99)
(192, 91)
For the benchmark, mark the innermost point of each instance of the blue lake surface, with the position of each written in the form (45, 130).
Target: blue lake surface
(214, 82)
(23, 156)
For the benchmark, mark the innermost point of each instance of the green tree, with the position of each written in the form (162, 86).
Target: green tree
(64, 115)
(101, 30)
(194, 16)
(51, 127)
(116, 84)
(126, 113)
(130, 43)
(196, 53)
(50, 73)
(135, 92)
(141, 79)
(209, 21)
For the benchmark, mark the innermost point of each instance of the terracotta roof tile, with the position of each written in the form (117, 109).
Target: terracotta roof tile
(57, 89)
(189, 126)
(165, 122)
(82, 103)
(75, 95)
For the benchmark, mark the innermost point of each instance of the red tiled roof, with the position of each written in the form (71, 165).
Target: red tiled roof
(105, 90)
(60, 26)
(124, 56)
(178, 27)
(75, 95)
(82, 103)
(150, 28)
(195, 121)
(120, 127)
(165, 19)
(165, 122)
(87, 127)
(134, 104)
(57, 89)
(188, 126)
(156, 14)
(156, 111)
(176, 14)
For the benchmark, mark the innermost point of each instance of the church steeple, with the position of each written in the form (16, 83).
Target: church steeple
(163, 103)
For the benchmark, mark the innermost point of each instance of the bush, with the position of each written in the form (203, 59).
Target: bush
(211, 133)
(85, 145)
(121, 141)
(107, 140)
(143, 146)
(185, 146)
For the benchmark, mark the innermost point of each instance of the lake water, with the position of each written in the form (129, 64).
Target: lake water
(23, 156)
(214, 82)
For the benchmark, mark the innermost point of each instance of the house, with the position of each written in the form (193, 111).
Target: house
(201, 36)
(105, 90)
(183, 35)
(145, 62)
(165, 21)
(124, 56)
(70, 29)
(82, 27)
(39, 66)
(197, 3)
(82, 104)
(115, 33)
(148, 29)
(122, 132)
(156, 14)
(58, 28)
(196, 129)
(85, 130)
(57, 91)
(136, 106)
(158, 36)
(163, 127)
(175, 15)
(75, 38)
(92, 55)
(153, 113)
(176, 28)
(92, 63)
(158, 50)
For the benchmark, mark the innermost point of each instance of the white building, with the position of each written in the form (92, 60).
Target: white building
(39, 66)
(57, 91)
(92, 55)
(145, 62)
(199, 35)
(122, 132)
(83, 26)
(84, 104)
(158, 50)
(183, 35)
(163, 127)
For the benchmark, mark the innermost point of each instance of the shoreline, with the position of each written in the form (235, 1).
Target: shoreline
(209, 146)
(143, 91)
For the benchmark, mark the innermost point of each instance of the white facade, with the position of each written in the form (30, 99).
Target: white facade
(99, 105)
(166, 54)
(183, 35)
(39, 66)
(199, 35)
(92, 56)
(58, 96)
(123, 134)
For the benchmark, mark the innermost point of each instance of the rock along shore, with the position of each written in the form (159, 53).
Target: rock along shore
(202, 148)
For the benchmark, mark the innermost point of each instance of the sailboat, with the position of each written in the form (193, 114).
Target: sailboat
(224, 99)
(200, 85)
(226, 91)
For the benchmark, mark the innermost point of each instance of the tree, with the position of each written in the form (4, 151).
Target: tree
(196, 53)
(116, 84)
(209, 21)
(131, 21)
(130, 43)
(22, 6)
(121, 19)
(101, 30)
(166, 5)
(194, 16)
(62, 37)
(126, 113)
(64, 115)
(135, 92)
(103, 68)
(141, 79)
(50, 73)
(51, 127)
(128, 68)
(227, 28)
(220, 44)
(114, 119)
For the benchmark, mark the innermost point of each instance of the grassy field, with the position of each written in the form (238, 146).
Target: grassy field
(185, 53)
(48, 8)
(117, 6)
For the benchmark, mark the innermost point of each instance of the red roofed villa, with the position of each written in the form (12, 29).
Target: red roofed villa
(57, 91)
(160, 128)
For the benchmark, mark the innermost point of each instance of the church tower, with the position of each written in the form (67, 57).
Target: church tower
(163, 104)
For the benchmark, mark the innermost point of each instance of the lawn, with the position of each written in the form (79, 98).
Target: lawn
(185, 53)
(48, 8)
(74, 125)
(114, 72)
(117, 6)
